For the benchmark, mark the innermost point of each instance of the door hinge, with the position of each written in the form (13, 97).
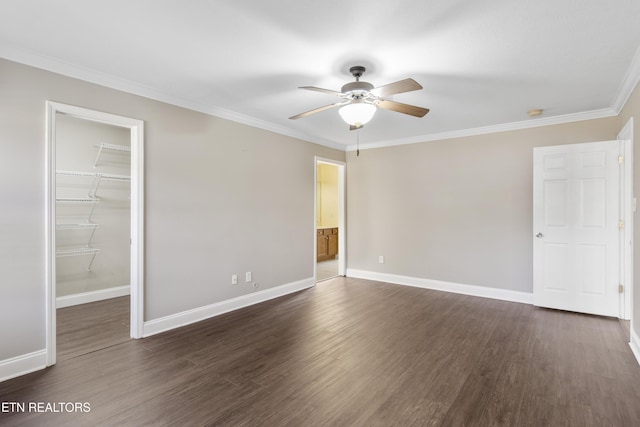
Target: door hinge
(620, 225)
(620, 160)
(620, 289)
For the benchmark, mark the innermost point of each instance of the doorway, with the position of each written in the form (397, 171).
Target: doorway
(330, 236)
(94, 230)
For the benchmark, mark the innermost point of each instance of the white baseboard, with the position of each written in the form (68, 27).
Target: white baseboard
(85, 297)
(457, 288)
(173, 321)
(22, 365)
(635, 344)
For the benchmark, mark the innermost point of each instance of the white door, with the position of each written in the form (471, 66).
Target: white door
(576, 227)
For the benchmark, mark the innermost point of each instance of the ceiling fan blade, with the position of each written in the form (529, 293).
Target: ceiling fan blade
(406, 85)
(402, 108)
(317, 110)
(319, 89)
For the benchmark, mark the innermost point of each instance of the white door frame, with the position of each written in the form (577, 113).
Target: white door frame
(342, 231)
(136, 128)
(627, 209)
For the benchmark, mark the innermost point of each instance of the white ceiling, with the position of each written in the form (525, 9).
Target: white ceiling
(483, 64)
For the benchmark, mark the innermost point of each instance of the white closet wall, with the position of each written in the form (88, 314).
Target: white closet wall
(93, 206)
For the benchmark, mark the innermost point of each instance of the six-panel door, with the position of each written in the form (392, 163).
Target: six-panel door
(576, 229)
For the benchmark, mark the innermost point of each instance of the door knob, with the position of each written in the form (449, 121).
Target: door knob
(539, 235)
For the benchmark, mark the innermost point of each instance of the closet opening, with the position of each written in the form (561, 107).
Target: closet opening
(94, 230)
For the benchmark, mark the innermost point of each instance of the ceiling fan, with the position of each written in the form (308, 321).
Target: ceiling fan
(360, 99)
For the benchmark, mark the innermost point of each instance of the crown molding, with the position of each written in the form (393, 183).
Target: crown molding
(90, 75)
(628, 84)
(483, 130)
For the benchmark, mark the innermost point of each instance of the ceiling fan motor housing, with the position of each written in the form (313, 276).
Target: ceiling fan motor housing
(358, 91)
(357, 88)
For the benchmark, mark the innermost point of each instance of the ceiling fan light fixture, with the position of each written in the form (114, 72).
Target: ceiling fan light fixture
(360, 100)
(357, 113)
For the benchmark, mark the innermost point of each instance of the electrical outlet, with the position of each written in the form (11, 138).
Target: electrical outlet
(247, 276)
(381, 259)
(234, 279)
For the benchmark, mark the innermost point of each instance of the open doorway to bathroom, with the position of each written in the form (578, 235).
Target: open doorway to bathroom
(330, 236)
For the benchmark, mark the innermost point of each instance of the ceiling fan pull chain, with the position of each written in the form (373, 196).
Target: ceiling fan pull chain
(358, 142)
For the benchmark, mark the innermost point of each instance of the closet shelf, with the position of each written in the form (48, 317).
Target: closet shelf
(109, 147)
(77, 251)
(113, 147)
(77, 226)
(98, 177)
(81, 200)
(104, 176)
(84, 250)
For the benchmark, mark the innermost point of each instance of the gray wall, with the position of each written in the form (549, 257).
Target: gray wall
(457, 210)
(221, 198)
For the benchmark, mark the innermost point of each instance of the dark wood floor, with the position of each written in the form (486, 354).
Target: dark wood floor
(354, 353)
(85, 328)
